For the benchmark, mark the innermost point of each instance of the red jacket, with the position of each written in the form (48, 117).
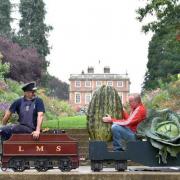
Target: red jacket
(136, 116)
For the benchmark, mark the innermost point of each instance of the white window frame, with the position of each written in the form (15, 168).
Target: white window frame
(119, 84)
(86, 84)
(108, 83)
(100, 83)
(86, 95)
(77, 102)
(77, 83)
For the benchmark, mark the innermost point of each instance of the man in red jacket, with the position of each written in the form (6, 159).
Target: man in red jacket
(124, 129)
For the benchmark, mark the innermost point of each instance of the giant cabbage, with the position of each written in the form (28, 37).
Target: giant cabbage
(162, 128)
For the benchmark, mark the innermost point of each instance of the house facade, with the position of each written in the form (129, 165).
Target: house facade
(82, 86)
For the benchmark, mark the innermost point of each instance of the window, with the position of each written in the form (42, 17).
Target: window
(109, 83)
(77, 83)
(87, 98)
(98, 83)
(119, 83)
(77, 98)
(87, 83)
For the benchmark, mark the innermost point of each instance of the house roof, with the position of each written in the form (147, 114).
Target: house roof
(92, 76)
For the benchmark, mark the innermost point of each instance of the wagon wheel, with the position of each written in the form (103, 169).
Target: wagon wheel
(19, 165)
(121, 165)
(96, 166)
(41, 165)
(18, 169)
(4, 168)
(65, 165)
(41, 169)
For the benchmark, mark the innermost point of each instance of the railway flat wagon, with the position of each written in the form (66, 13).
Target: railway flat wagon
(137, 151)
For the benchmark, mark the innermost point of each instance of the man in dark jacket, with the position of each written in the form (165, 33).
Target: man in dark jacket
(30, 110)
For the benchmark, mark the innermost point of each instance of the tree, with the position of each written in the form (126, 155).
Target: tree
(25, 63)
(56, 88)
(163, 59)
(5, 19)
(33, 31)
(164, 50)
(164, 11)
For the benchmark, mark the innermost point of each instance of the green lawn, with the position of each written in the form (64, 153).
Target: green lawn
(66, 123)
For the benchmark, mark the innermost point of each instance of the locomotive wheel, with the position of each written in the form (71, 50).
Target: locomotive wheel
(96, 166)
(121, 165)
(65, 165)
(41, 165)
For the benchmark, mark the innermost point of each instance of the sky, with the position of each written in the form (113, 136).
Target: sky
(87, 32)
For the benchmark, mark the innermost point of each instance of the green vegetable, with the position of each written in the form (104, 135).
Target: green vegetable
(105, 100)
(162, 128)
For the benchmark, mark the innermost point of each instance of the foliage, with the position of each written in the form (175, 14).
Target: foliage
(14, 86)
(163, 130)
(3, 108)
(3, 85)
(105, 100)
(33, 31)
(5, 19)
(164, 49)
(55, 107)
(4, 68)
(163, 59)
(56, 88)
(164, 11)
(7, 96)
(168, 96)
(66, 122)
(25, 63)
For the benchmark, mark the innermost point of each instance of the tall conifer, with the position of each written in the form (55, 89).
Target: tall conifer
(5, 18)
(33, 30)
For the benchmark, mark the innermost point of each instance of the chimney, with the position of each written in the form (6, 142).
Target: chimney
(106, 69)
(90, 70)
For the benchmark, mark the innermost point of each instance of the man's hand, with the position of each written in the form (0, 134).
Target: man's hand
(107, 119)
(35, 134)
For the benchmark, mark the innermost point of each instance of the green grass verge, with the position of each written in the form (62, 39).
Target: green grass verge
(66, 123)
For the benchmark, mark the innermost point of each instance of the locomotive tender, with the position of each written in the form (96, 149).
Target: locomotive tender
(22, 152)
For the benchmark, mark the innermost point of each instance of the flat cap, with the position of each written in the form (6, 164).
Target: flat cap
(29, 87)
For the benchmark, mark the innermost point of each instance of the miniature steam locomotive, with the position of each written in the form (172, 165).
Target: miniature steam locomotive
(22, 152)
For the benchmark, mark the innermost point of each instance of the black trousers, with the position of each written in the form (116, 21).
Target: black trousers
(7, 131)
